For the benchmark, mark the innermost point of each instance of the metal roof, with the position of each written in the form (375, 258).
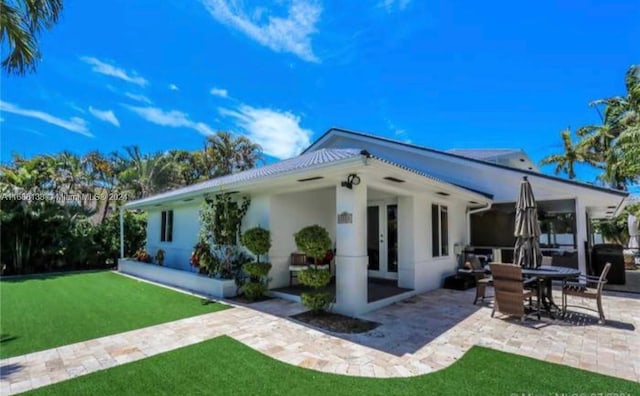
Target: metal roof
(304, 161)
(484, 154)
(479, 161)
(314, 158)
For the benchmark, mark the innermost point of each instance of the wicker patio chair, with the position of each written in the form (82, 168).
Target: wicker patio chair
(587, 287)
(298, 263)
(482, 280)
(509, 289)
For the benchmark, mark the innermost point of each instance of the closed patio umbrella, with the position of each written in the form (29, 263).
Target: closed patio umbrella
(527, 230)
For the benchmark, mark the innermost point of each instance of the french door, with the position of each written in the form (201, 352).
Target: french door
(382, 239)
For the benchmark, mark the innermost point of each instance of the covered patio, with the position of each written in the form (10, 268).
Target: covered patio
(381, 226)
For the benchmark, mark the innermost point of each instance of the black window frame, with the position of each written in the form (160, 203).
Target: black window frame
(439, 230)
(166, 226)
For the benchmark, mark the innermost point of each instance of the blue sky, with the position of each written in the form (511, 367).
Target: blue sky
(443, 73)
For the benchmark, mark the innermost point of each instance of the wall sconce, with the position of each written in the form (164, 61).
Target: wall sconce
(352, 180)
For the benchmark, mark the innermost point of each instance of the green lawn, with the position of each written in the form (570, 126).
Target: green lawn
(223, 366)
(43, 312)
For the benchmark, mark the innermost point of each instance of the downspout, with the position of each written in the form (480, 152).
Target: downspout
(474, 211)
(122, 232)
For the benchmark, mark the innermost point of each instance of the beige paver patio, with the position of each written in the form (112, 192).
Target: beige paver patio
(418, 336)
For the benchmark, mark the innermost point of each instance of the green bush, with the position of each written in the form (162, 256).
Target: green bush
(314, 277)
(253, 290)
(257, 270)
(314, 241)
(317, 302)
(257, 240)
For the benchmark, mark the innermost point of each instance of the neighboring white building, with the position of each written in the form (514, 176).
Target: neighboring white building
(408, 218)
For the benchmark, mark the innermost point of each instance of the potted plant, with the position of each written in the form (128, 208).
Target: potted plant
(143, 256)
(315, 242)
(258, 241)
(160, 256)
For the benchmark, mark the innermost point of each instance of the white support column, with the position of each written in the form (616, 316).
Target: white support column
(581, 234)
(406, 246)
(351, 250)
(121, 232)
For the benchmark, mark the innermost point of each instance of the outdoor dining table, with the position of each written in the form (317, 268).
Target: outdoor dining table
(546, 275)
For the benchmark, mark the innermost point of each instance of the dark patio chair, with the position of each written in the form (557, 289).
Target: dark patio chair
(587, 287)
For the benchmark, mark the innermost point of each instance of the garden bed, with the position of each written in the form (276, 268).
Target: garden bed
(336, 323)
(197, 283)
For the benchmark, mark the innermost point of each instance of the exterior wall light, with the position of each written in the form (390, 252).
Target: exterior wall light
(352, 180)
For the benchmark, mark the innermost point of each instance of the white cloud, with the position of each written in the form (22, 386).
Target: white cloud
(400, 133)
(105, 115)
(114, 71)
(221, 92)
(138, 98)
(171, 118)
(74, 124)
(290, 33)
(279, 133)
(394, 5)
(173, 87)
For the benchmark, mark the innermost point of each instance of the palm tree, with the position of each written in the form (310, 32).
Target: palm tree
(189, 166)
(225, 154)
(614, 146)
(565, 162)
(104, 171)
(20, 23)
(146, 174)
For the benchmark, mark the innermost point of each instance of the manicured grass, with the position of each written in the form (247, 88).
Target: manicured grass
(43, 312)
(223, 366)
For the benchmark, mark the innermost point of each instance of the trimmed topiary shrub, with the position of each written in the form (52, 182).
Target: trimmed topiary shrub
(253, 290)
(315, 278)
(317, 302)
(315, 242)
(257, 270)
(258, 241)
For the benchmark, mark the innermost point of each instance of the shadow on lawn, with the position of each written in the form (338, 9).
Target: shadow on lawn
(8, 369)
(4, 338)
(46, 276)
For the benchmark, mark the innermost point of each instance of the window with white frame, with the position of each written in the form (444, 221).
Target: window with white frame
(166, 226)
(439, 231)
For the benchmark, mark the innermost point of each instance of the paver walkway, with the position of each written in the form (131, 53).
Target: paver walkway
(418, 336)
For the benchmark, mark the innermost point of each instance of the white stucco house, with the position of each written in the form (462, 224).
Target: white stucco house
(403, 225)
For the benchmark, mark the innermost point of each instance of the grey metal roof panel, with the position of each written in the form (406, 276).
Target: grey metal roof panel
(314, 158)
(428, 176)
(482, 154)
